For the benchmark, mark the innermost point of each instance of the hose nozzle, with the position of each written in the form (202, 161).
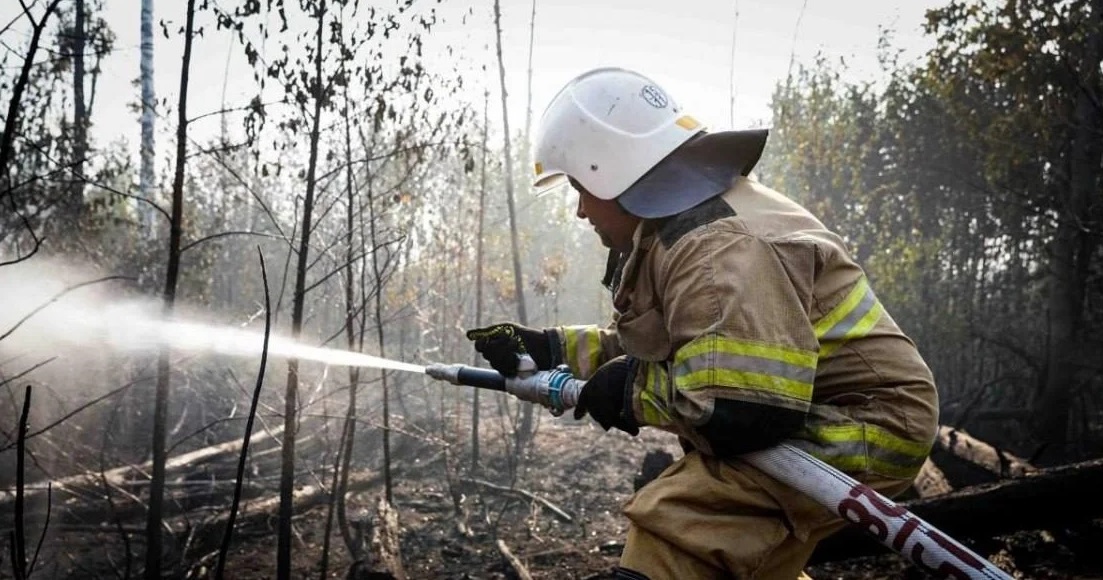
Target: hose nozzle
(556, 389)
(458, 374)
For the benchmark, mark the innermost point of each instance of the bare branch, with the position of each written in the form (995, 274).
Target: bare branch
(225, 548)
(19, 549)
(28, 371)
(95, 183)
(211, 237)
(79, 409)
(45, 526)
(11, 119)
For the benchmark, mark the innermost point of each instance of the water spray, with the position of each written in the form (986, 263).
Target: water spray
(41, 315)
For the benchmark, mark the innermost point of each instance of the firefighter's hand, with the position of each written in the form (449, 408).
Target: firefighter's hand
(604, 396)
(502, 344)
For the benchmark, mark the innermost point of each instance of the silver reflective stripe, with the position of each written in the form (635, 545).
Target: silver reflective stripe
(895, 457)
(842, 327)
(582, 354)
(862, 448)
(754, 364)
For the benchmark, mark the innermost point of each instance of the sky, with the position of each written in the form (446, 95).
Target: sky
(685, 46)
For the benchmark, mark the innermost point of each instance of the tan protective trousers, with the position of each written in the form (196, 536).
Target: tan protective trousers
(705, 518)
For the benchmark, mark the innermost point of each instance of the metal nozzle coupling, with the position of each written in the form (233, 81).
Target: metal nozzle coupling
(555, 389)
(443, 372)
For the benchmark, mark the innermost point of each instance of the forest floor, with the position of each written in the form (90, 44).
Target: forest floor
(575, 466)
(589, 474)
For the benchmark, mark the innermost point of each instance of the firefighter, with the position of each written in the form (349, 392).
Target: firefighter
(740, 321)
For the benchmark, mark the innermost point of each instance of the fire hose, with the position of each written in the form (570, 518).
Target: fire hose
(922, 544)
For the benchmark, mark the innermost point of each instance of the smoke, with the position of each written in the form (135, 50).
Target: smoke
(54, 309)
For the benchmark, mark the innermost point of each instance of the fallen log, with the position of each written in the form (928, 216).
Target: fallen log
(1055, 497)
(259, 512)
(931, 481)
(997, 461)
(177, 466)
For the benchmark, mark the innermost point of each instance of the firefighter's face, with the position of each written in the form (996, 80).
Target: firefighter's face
(614, 225)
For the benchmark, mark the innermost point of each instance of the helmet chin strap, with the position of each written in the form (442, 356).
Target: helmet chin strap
(614, 265)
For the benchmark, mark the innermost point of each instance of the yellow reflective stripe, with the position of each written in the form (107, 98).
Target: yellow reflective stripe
(745, 380)
(571, 352)
(718, 361)
(654, 413)
(860, 446)
(860, 463)
(655, 395)
(658, 381)
(713, 342)
(871, 434)
(593, 351)
(882, 439)
(583, 348)
(852, 318)
(839, 312)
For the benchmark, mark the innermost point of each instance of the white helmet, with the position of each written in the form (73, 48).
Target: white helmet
(606, 129)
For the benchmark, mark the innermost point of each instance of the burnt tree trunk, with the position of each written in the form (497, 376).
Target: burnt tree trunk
(154, 548)
(298, 306)
(13, 118)
(525, 430)
(80, 112)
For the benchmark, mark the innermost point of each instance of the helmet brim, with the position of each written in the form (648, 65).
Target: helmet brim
(549, 182)
(700, 169)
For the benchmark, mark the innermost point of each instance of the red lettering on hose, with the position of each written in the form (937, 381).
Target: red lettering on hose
(857, 513)
(878, 501)
(905, 532)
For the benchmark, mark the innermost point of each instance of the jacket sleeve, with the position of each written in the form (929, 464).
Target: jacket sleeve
(585, 348)
(743, 350)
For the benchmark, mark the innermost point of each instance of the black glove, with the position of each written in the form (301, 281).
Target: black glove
(502, 343)
(604, 396)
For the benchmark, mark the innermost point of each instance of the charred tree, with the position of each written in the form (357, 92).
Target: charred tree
(378, 275)
(524, 432)
(479, 271)
(528, 79)
(12, 119)
(80, 111)
(353, 314)
(291, 406)
(154, 546)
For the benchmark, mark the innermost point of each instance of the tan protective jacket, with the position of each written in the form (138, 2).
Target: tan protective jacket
(747, 314)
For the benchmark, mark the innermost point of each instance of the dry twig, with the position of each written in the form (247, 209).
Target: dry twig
(513, 561)
(562, 515)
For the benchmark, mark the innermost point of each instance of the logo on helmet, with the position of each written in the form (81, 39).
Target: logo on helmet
(653, 96)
